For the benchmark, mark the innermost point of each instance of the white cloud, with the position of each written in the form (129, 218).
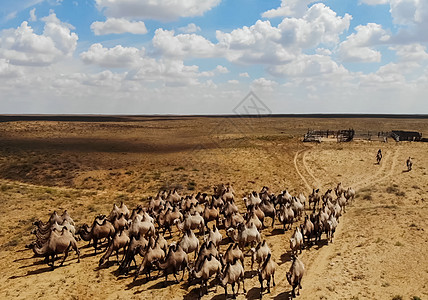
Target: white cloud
(295, 8)
(165, 10)
(264, 43)
(245, 74)
(116, 57)
(308, 66)
(7, 70)
(222, 69)
(182, 45)
(142, 67)
(33, 16)
(21, 46)
(117, 26)
(358, 47)
(263, 83)
(323, 51)
(233, 81)
(190, 28)
(374, 2)
(412, 52)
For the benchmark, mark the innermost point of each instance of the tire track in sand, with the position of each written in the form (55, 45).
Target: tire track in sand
(298, 171)
(316, 262)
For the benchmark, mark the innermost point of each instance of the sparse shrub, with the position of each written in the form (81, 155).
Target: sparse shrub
(191, 185)
(392, 189)
(398, 244)
(179, 168)
(400, 194)
(416, 298)
(385, 284)
(5, 187)
(397, 297)
(367, 197)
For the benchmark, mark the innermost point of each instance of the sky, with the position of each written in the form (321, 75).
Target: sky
(206, 56)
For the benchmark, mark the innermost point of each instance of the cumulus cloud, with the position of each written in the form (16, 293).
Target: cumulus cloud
(116, 57)
(374, 2)
(117, 26)
(308, 66)
(222, 69)
(264, 43)
(295, 8)
(263, 83)
(358, 47)
(165, 10)
(7, 70)
(33, 16)
(143, 67)
(21, 46)
(412, 52)
(182, 45)
(190, 28)
(245, 74)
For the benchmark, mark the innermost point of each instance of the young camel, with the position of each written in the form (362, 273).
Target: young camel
(175, 261)
(154, 254)
(97, 232)
(120, 240)
(259, 253)
(245, 235)
(191, 222)
(295, 274)
(233, 273)
(214, 236)
(137, 245)
(296, 242)
(189, 242)
(266, 272)
(232, 252)
(209, 267)
(59, 242)
(207, 248)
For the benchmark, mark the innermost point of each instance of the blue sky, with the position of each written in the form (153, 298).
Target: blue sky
(203, 57)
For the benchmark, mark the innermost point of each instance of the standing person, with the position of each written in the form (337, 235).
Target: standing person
(379, 156)
(409, 164)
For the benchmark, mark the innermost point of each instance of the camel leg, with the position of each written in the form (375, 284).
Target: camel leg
(53, 261)
(95, 245)
(268, 284)
(65, 255)
(243, 284)
(175, 276)
(233, 291)
(182, 276)
(273, 279)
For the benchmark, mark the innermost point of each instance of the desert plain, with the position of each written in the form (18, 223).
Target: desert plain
(85, 165)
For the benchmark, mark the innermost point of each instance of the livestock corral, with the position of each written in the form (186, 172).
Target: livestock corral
(181, 208)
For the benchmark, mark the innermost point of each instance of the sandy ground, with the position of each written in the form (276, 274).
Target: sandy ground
(379, 250)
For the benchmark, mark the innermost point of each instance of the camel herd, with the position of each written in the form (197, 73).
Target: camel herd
(199, 225)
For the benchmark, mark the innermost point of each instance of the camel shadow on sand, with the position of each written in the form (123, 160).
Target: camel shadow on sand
(34, 272)
(285, 257)
(283, 295)
(213, 287)
(277, 231)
